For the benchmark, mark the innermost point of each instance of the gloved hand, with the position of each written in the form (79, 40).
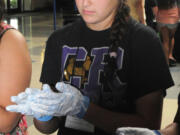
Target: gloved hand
(135, 131)
(73, 102)
(25, 102)
(69, 101)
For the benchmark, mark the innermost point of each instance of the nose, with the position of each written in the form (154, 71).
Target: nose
(86, 3)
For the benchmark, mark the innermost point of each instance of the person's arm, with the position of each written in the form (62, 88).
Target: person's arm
(155, 11)
(148, 114)
(172, 129)
(15, 74)
(139, 5)
(50, 126)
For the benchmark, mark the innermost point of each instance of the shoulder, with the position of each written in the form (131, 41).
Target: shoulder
(66, 31)
(144, 40)
(139, 30)
(12, 37)
(142, 35)
(13, 44)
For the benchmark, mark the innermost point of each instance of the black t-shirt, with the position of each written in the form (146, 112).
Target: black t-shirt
(77, 55)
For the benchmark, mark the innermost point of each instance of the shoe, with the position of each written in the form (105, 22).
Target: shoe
(172, 62)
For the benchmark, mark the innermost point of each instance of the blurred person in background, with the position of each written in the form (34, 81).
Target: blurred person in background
(150, 9)
(167, 17)
(137, 10)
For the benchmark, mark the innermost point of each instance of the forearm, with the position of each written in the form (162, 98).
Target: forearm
(155, 11)
(172, 129)
(140, 10)
(110, 121)
(8, 121)
(49, 126)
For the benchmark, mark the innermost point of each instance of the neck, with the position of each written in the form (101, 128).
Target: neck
(99, 27)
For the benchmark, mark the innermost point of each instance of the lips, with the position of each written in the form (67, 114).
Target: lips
(88, 12)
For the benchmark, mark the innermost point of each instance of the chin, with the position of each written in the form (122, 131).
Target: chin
(90, 20)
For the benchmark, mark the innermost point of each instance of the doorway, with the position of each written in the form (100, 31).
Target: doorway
(13, 6)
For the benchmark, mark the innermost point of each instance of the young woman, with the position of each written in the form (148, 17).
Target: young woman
(167, 17)
(15, 74)
(114, 73)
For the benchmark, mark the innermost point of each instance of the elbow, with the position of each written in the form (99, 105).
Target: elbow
(138, 4)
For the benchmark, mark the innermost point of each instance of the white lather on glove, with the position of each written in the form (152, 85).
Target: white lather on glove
(45, 102)
(136, 131)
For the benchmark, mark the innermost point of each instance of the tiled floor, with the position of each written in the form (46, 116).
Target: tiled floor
(38, 26)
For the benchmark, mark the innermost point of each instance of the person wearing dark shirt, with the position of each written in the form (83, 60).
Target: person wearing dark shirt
(111, 72)
(167, 17)
(149, 5)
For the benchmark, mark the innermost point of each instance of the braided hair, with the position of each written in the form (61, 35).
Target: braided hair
(119, 29)
(166, 4)
(118, 38)
(119, 26)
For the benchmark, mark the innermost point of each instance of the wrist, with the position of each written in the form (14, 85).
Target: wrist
(45, 118)
(84, 107)
(156, 132)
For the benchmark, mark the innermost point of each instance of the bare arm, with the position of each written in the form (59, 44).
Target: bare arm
(140, 10)
(148, 114)
(172, 129)
(15, 74)
(155, 11)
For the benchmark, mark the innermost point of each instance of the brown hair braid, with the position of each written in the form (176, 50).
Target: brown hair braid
(119, 26)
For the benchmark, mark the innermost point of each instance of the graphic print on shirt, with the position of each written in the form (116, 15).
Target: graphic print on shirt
(84, 69)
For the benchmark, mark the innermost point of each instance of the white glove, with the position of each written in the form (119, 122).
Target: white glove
(74, 103)
(48, 103)
(25, 102)
(135, 131)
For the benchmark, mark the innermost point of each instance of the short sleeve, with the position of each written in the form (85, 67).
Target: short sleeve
(51, 66)
(149, 70)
